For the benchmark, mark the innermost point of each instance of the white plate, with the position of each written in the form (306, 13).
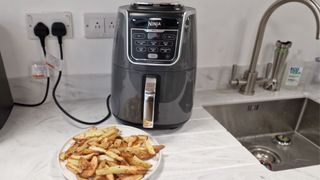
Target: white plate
(124, 131)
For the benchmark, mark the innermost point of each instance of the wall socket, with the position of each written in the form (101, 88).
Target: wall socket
(48, 19)
(99, 25)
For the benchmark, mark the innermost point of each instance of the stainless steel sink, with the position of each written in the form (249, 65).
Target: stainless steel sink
(281, 134)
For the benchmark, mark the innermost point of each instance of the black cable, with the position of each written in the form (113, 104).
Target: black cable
(44, 51)
(61, 51)
(41, 31)
(59, 36)
(72, 117)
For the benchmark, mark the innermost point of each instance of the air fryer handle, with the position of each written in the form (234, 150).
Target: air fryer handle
(149, 101)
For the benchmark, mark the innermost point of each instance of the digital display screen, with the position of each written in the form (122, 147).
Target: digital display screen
(154, 35)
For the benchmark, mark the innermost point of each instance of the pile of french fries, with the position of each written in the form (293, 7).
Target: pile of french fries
(103, 154)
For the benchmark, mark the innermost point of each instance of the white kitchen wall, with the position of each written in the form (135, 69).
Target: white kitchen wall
(226, 33)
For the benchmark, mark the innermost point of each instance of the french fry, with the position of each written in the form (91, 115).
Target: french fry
(98, 149)
(121, 170)
(157, 148)
(149, 147)
(123, 144)
(130, 140)
(86, 144)
(141, 153)
(83, 164)
(109, 176)
(112, 163)
(138, 162)
(92, 132)
(89, 171)
(115, 151)
(105, 158)
(73, 161)
(105, 143)
(126, 155)
(138, 143)
(113, 137)
(74, 169)
(102, 164)
(88, 156)
(124, 163)
(87, 151)
(114, 155)
(103, 139)
(110, 133)
(110, 130)
(82, 147)
(63, 156)
(117, 143)
(93, 143)
(143, 137)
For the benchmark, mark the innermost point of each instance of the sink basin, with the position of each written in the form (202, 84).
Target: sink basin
(281, 134)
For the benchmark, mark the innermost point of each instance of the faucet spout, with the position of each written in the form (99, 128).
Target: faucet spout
(250, 76)
(311, 4)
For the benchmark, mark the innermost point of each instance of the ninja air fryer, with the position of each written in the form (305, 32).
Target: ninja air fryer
(154, 65)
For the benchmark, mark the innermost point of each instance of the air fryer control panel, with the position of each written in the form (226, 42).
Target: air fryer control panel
(154, 40)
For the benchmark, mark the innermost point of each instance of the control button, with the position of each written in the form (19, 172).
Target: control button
(165, 50)
(153, 43)
(169, 36)
(153, 49)
(141, 42)
(152, 56)
(167, 56)
(140, 49)
(139, 36)
(166, 43)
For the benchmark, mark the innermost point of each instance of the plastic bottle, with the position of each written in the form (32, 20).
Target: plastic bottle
(293, 72)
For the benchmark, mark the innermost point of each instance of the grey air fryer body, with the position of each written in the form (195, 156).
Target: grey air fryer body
(154, 65)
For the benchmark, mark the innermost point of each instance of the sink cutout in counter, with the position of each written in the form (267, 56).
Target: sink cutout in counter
(289, 129)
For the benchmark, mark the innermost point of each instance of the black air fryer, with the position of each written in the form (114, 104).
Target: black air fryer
(154, 65)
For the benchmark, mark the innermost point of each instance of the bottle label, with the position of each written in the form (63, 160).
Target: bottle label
(294, 75)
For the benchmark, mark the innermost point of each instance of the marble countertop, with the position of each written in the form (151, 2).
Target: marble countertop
(200, 149)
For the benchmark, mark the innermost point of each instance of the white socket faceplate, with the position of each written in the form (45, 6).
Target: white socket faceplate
(48, 19)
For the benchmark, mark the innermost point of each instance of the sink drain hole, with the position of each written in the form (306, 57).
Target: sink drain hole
(282, 139)
(265, 156)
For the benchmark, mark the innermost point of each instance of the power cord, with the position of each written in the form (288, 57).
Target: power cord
(58, 29)
(41, 31)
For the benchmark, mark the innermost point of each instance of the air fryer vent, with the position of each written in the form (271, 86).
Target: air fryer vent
(157, 6)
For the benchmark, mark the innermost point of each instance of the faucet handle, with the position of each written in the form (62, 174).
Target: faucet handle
(234, 71)
(233, 81)
(268, 70)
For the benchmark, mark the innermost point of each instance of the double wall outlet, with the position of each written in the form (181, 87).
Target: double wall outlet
(99, 25)
(32, 19)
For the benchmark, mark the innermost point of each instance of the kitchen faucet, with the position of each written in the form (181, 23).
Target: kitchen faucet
(250, 77)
